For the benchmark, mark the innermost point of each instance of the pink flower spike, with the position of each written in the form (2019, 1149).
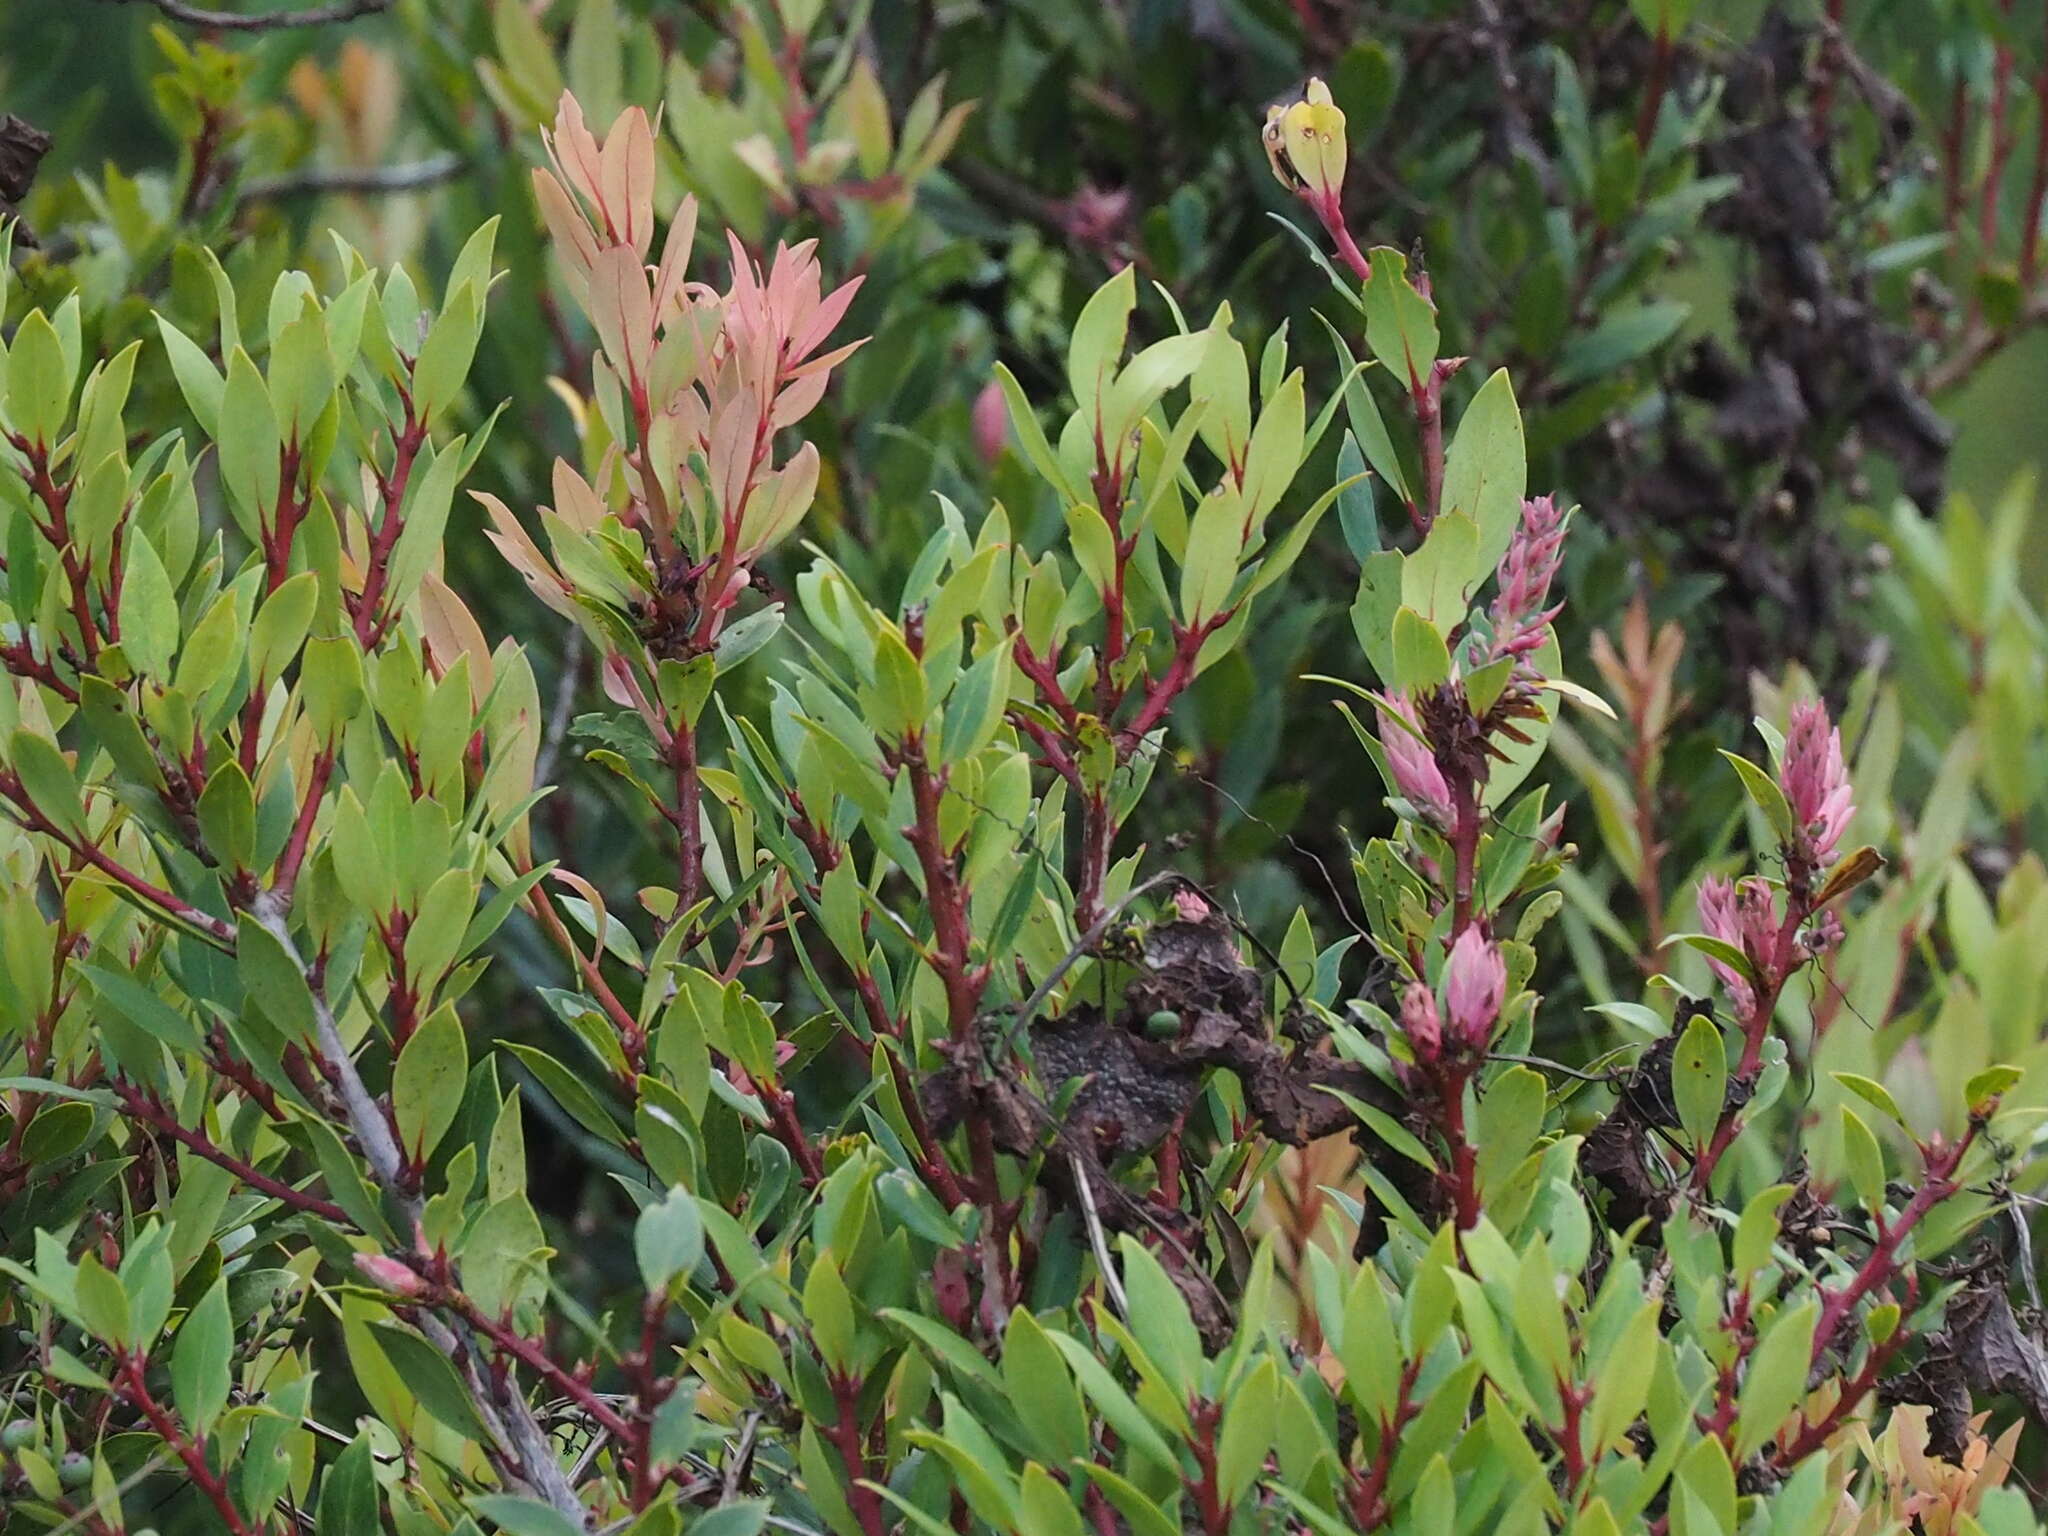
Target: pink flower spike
(1816, 783)
(1420, 1023)
(1525, 574)
(1722, 916)
(1416, 774)
(1475, 985)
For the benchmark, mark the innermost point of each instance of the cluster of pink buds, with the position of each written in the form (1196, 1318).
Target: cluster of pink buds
(1421, 1023)
(1526, 571)
(1410, 760)
(1743, 915)
(1816, 785)
(1475, 987)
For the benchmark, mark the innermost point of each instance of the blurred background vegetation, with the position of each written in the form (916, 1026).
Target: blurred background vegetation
(1768, 277)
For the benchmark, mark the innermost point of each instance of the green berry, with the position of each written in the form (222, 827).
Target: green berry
(18, 1433)
(1163, 1025)
(75, 1470)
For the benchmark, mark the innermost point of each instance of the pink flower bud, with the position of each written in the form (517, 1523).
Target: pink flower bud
(1526, 571)
(1475, 985)
(1744, 915)
(1416, 774)
(1816, 784)
(1419, 1022)
(389, 1274)
(991, 419)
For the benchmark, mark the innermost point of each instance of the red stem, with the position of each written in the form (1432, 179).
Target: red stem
(1653, 91)
(1215, 1514)
(35, 821)
(863, 1500)
(370, 623)
(536, 1359)
(189, 1451)
(1936, 1185)
(2001, 144)
(144, 1107)
(1369, 1493)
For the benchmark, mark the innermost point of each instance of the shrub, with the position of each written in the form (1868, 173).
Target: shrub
(973, 1154)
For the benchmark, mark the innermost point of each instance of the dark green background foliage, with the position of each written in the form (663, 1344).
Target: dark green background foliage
(1769, 283)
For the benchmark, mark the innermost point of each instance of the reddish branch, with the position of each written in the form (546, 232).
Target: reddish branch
(32, 819)
(1369, 1505)
(144, 1106)
(370, 622)
(130, 1384)
(846, 1439)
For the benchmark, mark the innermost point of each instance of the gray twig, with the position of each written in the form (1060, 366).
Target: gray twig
(332, 14)
(520, 1439)
(365, 180)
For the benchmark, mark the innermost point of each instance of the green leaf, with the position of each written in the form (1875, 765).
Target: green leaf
(249, 446)
(513, 1515)
(1775, 1381)
(446, 354)
(1032, 436)
(1363, 412)
(280, 626)
(427, 501)
(331, 683)
(38, 380)
(198, 379)
(668, 1240)
(148, 611)
(427, 1083)
(1769, 798)
(143, 1008)
(348, 1493)
(1369, 1347)
(1035, 1373)
(430, 1376)
(1757, 1231)
(1098, 340)
(568, 1091)
(102, 1302)
(200, 1360)
(1865, 1159)
(829, 1311)
(739, 1517)
(273, 979)
(1699, 1079)
(227, 815)
(1438, 579)
(1988, 1085)
(47, 780)
(1486, 471)
(1248, 1429)
(1421, 659)
(1115, 1405)
(1620, 339)
(1719, 949)
(1159, 1316)
(1400, 324)
(1872, 1093)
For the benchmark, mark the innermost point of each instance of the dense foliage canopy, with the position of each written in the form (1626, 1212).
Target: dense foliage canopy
(866, 768)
